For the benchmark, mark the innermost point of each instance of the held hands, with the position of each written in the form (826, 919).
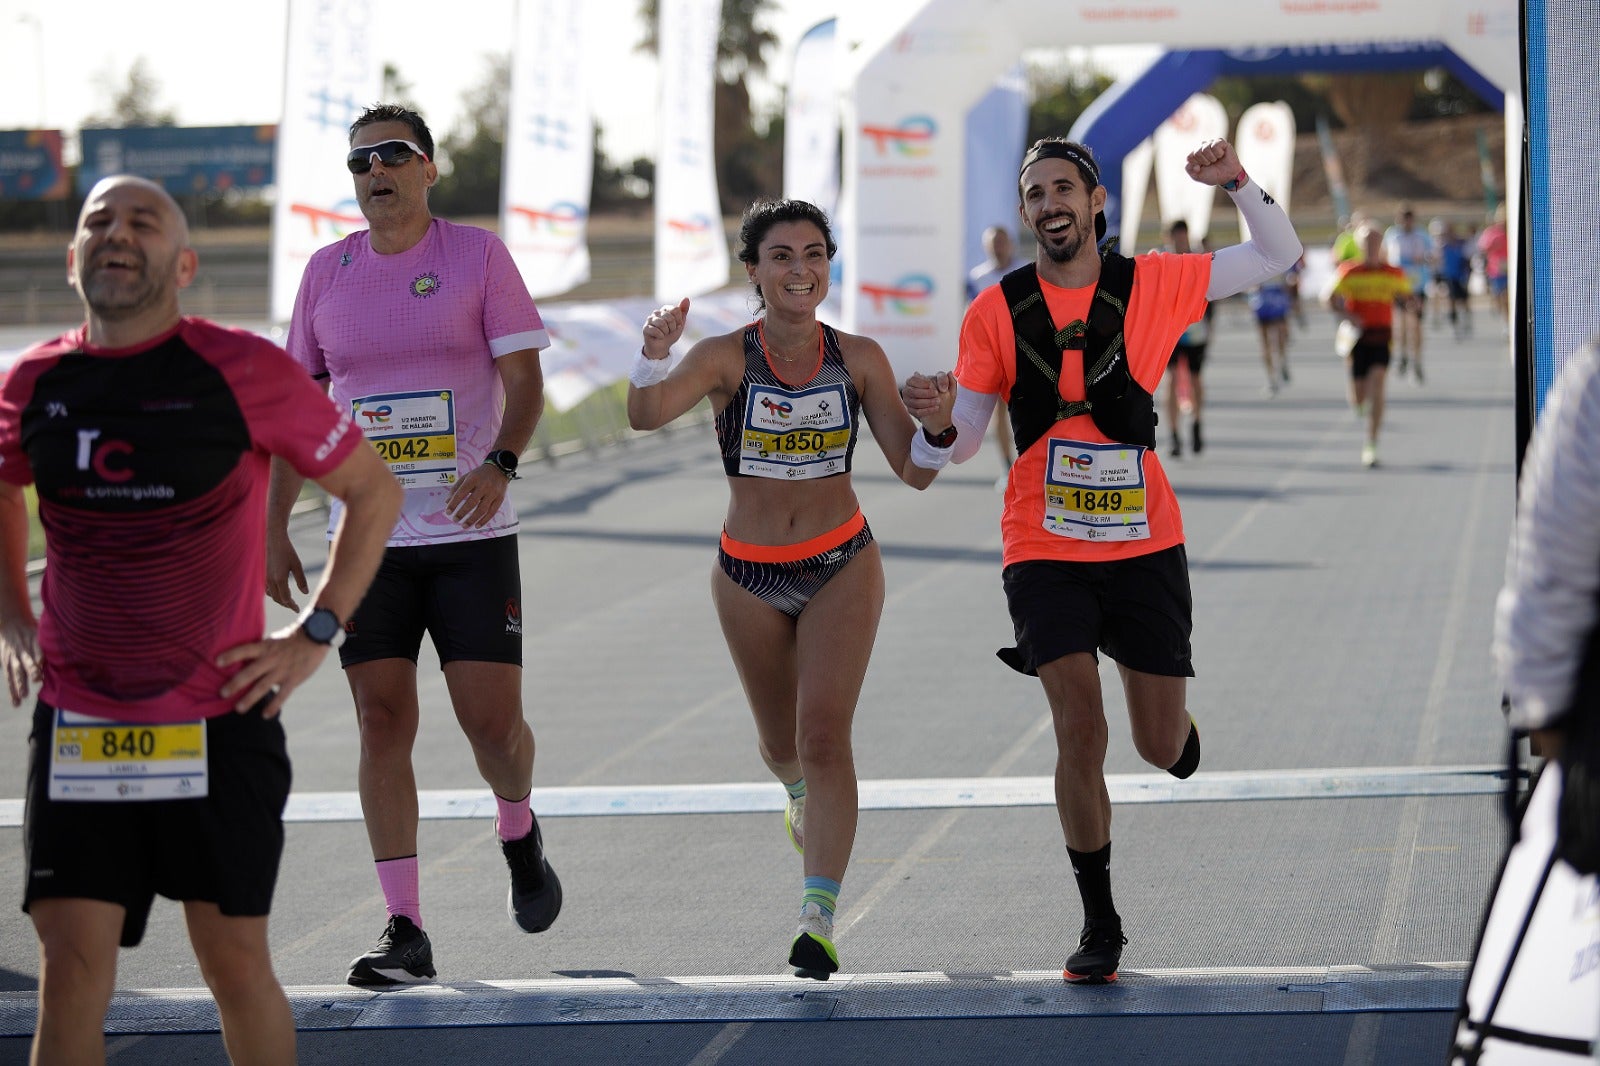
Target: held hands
(1213, 163)
(930, 399)
(663, 328)
(19, 651)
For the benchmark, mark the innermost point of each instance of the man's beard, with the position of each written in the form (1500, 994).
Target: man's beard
(1066, 252)
(119, 299)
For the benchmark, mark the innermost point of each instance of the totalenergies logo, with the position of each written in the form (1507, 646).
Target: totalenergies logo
(778, 410)
(561, 219)
(342, 219)
(1079, 462)
(908, 296)
(377, 416)
(692, 232)
(911, 139)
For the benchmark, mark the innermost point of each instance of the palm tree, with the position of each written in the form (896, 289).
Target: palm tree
(747, 164)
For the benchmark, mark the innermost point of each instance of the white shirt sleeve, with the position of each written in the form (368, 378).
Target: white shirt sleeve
(1548, 605)
(1272, 248)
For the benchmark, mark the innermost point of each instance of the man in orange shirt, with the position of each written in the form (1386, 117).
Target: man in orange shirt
(1094, 557)
(1363, 292)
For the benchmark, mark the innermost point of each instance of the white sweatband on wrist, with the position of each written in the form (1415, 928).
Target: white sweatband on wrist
(647, 371)
(926, 455)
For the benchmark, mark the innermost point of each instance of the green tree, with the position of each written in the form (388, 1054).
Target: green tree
(471, 155)
(1061, 91)
(749, 161)
(133, 103)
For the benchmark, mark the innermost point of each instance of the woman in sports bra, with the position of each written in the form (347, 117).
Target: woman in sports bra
(798, 584)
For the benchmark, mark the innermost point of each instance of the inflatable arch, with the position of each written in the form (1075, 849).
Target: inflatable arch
(910, 88)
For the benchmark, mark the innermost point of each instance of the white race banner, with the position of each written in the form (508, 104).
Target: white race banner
(1265, 143)
(691, 249)
(1200, 119)
(549, 161)
(1135, 183)
(811, 121)
(332, 72)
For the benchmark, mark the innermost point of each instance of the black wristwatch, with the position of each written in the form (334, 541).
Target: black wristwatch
(943, 439)
(505, 461)
(322, 626)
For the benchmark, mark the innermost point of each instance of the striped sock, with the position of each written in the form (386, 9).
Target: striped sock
(824, 892)
(796, 790)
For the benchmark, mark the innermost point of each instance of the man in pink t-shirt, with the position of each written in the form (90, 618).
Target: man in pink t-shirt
(424, 331)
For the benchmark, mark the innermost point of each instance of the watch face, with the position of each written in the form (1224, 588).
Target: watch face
(504, 459)
(321, 626)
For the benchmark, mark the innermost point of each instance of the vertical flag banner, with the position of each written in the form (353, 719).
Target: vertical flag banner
(691, 248)
(1135, 183)
(1200, 119)
(1333, 170)
(549, 161)
(331, 73)
(1265, 143)
(811, 139)
(811, 121)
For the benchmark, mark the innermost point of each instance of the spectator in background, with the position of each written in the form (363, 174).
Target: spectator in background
(1452, 272)
(1002, 259)
(1494, 246)
(1271, 304)
(1190, 352)
(1407, 246)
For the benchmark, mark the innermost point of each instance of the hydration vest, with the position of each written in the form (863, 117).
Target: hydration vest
(1121, 409)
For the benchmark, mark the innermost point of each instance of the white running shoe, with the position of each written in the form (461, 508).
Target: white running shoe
(794, 820)
(812, 953)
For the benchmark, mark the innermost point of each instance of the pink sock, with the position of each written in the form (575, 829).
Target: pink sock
(398, 879)
(514, 818)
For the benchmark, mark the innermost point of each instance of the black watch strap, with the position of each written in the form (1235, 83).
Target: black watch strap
(943, 439)
(505, 461)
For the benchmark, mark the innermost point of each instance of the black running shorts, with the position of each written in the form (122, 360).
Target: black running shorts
(1193, 354)
(1363, 357)
(467, 596)
(222, 848)
(1137, 611)
(786, 576)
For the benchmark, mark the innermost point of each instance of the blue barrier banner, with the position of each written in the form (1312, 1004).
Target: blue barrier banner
(30, 165)
(182, 159)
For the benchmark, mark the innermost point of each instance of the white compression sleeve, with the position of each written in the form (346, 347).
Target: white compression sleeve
(971, 416)
(1272, 248)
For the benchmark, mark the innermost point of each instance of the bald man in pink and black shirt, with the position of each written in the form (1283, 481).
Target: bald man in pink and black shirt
(424, 331)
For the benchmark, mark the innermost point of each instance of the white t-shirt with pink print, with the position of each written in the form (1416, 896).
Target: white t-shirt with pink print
(407, 343)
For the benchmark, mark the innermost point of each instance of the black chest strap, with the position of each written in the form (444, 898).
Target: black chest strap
(1121, 409)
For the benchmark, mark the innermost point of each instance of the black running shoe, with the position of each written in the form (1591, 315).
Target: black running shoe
(534, 899)
(1099, 952)
(403, 957)
(1195, 439)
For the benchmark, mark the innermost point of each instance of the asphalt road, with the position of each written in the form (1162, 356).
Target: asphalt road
(1342, 620)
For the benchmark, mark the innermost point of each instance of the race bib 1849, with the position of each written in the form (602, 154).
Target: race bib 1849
(1095, 491)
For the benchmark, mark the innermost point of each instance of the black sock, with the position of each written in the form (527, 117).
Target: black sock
(1189, 761)
(1093, 872)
